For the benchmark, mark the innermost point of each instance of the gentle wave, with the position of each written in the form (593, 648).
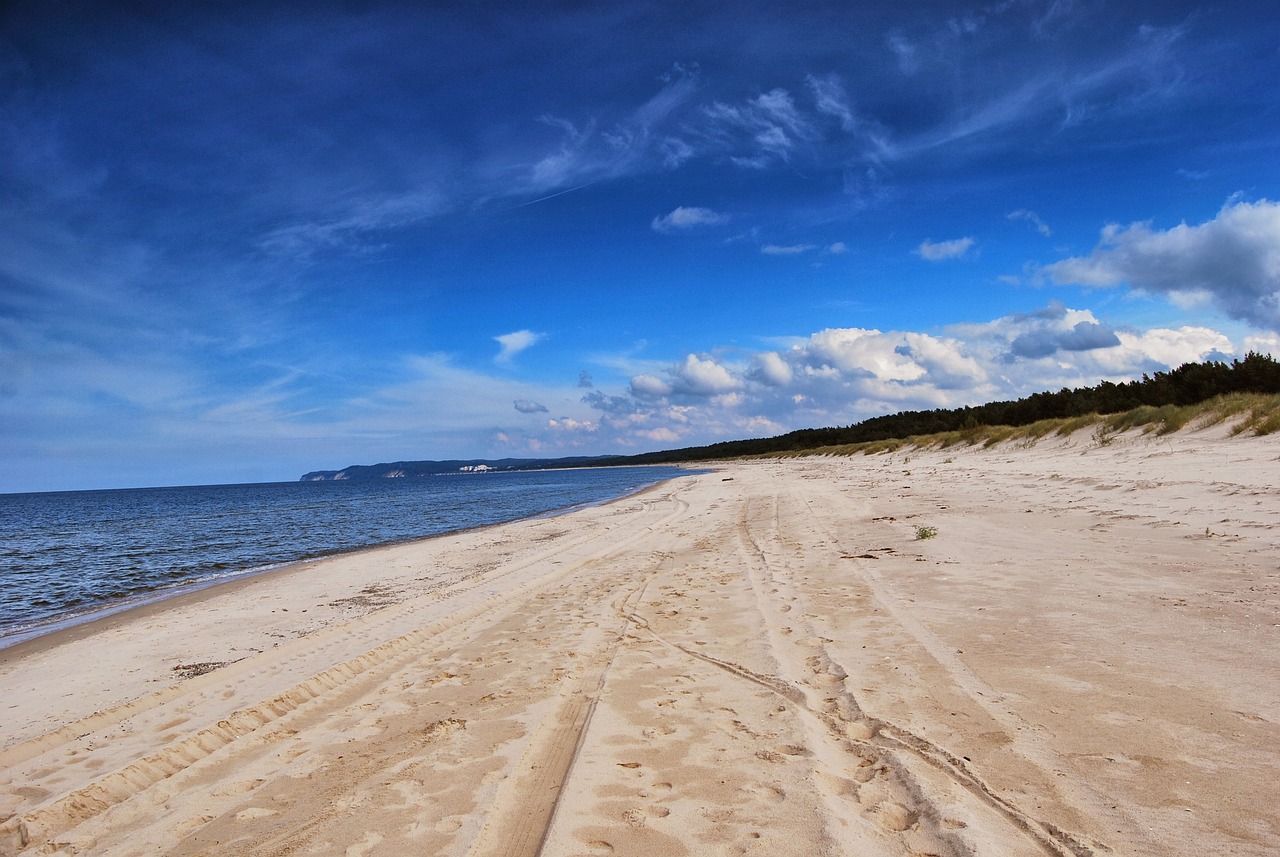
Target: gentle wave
(64, 555)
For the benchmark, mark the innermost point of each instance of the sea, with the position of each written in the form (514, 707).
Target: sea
(67, 557)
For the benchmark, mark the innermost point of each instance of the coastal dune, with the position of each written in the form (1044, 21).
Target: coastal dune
(1070, 647)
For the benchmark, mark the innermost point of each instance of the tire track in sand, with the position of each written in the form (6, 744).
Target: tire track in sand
(249, 728)
(532, 796)
(857, 790)
(886, 735)
(849, 744)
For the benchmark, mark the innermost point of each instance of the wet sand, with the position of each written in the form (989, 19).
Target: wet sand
(1085, 659)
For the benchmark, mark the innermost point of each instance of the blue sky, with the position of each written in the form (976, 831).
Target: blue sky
(239, 242)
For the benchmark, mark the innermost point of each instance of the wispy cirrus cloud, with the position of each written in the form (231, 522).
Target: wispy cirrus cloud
(350, 229)
(837, 248)
(787, 249)
(1142, 67)
(638, 142)
(1032, 218)
(830, 98)
(761, 131)
(814, 122)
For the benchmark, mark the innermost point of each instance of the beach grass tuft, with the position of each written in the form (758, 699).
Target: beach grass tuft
(1249, 413)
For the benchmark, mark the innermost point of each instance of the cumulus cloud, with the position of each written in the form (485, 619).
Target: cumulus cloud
(837, 376)
(1059, 346)
(584, 379)
(702, 376)
(1085, 336)
(853, 352)
(837, 248)
(687, 218)
(610, 404)
(525, 406)
(842, 375)
(513, 343)
(1267, 343)
(660, 435)
(1165, 347)
(1233, 258)
(769, 368)
(646, 386)
(937, 251)
(569, 424)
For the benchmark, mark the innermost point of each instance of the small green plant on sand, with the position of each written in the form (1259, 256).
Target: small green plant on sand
(925, 533)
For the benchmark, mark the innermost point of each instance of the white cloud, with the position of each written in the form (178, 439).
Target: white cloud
(1032, 218)
(937, 251)
(349, 229)
(596, 150)
(787, 249)
(659, 435)
(770, 368)
(838, 376)
(687, 218)
(837, 248)
(1234, 257)
(905, 52)
(1186, 344)
(647, 386)
(1116, 80)
(702, 376)
(759, 133)
(855, 352)
(513, 343)
(829, 95)
(1266, 343)
(777, 110)
(570, 424)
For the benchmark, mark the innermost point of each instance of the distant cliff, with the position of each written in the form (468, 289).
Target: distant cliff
(411, 469)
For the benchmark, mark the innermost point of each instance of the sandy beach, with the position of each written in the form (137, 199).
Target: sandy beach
(1084, 658)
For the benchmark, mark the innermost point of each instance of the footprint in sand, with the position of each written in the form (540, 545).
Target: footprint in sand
(255, 812)
(654, 792)
(365, 846)
(894, 816)
(769, 792)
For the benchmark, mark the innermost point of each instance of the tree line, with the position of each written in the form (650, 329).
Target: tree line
(1189, 384)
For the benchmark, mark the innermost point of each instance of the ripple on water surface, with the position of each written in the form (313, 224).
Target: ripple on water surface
(68, 553)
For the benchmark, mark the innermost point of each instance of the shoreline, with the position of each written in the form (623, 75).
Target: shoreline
(20, 636)
(1083, 657)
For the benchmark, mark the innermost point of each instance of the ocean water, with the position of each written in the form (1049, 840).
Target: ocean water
(68, 555)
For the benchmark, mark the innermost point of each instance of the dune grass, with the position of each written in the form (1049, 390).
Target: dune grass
(1249, 413)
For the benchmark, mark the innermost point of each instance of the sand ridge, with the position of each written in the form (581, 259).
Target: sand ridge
(765, 659)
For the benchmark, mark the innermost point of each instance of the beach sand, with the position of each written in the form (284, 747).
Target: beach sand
(1085, 659)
